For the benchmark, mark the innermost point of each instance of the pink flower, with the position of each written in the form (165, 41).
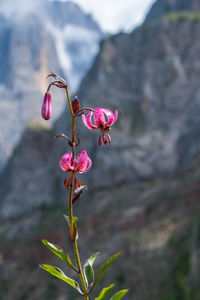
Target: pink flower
(47, 106)
(101, 123)
(80, 165)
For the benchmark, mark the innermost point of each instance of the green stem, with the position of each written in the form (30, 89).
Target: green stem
(73, 120)
(70, 200)
(81, 271)
(73, 140)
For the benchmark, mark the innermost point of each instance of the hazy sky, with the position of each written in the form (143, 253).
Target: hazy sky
(114, 15)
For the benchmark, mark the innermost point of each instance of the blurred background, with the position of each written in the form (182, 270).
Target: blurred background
(142, 58)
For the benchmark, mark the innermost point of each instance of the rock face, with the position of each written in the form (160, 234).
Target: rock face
(143, 194)
(34, 164)
(24, 65)
(163, 7)
(151, 77)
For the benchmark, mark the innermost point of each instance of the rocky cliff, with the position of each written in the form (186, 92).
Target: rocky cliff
(24, 63)
(144, 186)
(151, 76)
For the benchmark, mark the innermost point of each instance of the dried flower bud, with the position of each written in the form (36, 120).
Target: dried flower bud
(47, 106)
(75, 105)
(78, 193)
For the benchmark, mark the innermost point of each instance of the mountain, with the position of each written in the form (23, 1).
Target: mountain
(163, 7)
(63, 13)
(34, 40)
(143, 196)
(151, 76)
(77, 37)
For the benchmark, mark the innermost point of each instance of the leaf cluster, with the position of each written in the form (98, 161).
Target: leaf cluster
(88, 272)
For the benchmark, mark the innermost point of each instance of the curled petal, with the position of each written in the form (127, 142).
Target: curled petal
(112, 118)
(83, 163)
(66, 162)
(99, 118)
(88, 122)
(89, 164)
(109, 115)
(115, 117)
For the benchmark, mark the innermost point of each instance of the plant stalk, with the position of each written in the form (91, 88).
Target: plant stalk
(70, 200)
(73, 120)
(81, 271)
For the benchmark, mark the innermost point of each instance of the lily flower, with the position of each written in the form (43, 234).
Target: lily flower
(80, 165)
(100, 122)
(46, 110)
(72, 165)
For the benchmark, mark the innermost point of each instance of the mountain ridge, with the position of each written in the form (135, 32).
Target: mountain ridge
(161, 8)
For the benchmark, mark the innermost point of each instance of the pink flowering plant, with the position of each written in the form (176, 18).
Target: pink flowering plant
(94, 119)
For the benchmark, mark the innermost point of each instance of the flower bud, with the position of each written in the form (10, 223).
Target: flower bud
(75, 105)
(47, 106)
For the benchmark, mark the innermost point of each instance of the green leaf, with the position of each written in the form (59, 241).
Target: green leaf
(92, 258)
(119, 295)
(105, 292)
(67, 219)
(72, 227)
(61, 275)
(57, 250)
(103, 268)
(88, 270)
